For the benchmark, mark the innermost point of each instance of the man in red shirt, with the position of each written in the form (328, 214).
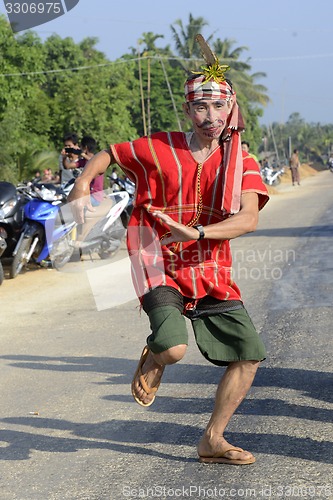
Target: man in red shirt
(194, 193)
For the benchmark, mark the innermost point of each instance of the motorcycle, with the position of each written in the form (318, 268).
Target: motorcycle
(118, 184)
(103, 230)
(50, 235)
(47, 230)
(11, 216)
(271, 176)
(3, 246)
(330, 165)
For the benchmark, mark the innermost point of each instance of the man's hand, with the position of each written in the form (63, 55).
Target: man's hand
(241, 223)
(179, 232)
(79, 197)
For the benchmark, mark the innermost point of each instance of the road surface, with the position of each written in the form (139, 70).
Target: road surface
(69, 428)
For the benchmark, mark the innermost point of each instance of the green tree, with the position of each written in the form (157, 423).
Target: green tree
(185, 43)
(90, 95)
(24, 110)
(313, 140)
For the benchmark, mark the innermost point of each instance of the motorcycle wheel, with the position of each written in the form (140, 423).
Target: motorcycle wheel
(276, 181)
(2, 275)
(61, 252)
(20, 258)
(109, 254)
(117, 229)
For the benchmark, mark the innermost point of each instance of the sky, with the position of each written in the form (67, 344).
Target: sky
(289, 40)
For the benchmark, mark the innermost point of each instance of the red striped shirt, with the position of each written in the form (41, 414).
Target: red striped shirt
(166, 177)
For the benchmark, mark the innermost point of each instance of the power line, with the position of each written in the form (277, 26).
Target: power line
(93, 66)
(82, 68)
(290, 58)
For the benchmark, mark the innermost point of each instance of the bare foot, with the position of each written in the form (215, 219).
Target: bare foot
(217, 450)
(147, 380)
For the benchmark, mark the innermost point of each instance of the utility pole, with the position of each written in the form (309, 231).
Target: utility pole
(148, 96)
(275, 147)
(171, 94)
(289, 144)
(141, 92)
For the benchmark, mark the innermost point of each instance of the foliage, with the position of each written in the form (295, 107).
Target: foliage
(184, 37)
(314, 141)
(58, 86)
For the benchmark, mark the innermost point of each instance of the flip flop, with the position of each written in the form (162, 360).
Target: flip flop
(143, 383)
(222, 459)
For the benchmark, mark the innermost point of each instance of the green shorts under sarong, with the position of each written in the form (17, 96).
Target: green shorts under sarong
(222, 338)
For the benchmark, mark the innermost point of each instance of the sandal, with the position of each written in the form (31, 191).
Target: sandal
(143, 383)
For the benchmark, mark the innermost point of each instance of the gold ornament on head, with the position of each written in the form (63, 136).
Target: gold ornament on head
(214, 70)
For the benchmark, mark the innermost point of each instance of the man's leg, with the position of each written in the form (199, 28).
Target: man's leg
(228, 338)
(231, 391)
(167, 342)
(153, 367)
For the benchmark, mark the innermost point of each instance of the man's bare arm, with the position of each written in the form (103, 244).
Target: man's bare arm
(67, 164)
(245, 221)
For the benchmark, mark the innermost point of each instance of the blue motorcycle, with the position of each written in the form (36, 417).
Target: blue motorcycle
(48, 229)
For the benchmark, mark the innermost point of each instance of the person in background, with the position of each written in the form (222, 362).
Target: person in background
(67, 164)
(47, 176)
(56, 178)
(88, 147)
(246, 148)
(37, 178)
(294, 167)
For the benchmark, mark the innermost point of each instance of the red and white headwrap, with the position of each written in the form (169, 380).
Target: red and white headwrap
(199, 88)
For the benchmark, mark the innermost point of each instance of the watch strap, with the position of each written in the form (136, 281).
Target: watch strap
(200, 228)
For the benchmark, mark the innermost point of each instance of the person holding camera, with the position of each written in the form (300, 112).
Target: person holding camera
(69, 159)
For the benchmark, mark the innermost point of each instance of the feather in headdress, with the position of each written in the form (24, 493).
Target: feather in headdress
(214, 70)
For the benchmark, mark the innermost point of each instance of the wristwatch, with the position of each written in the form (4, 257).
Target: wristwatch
(200, 228)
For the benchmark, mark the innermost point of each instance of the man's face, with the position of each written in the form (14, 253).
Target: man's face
(209, 116)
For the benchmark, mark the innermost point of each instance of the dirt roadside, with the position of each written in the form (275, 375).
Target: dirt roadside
(305, 172)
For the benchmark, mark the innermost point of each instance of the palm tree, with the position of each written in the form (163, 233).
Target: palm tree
(227, 55)
(148, 39)
(185, 43)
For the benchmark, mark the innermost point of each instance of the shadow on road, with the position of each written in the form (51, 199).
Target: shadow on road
(294, 232)
(313, 384)
(132, 435)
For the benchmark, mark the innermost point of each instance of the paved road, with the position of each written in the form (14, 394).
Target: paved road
(72, 364)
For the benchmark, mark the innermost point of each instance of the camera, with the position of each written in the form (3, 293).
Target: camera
(74, 151)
